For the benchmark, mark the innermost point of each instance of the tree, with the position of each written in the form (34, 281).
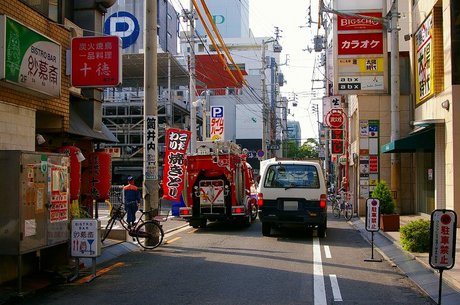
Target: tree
(309, 149)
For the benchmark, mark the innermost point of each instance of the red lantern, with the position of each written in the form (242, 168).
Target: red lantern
(100, 172)
(75, 170)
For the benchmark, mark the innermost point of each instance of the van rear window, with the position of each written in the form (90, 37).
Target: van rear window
(292, 175)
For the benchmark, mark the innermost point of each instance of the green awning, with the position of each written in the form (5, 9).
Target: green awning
(420, 141)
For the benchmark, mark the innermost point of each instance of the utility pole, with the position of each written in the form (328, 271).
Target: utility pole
(150, 189)
(191, 18)
(265, 118)
(395, 157)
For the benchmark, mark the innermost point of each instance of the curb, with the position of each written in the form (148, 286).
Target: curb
(414, 268)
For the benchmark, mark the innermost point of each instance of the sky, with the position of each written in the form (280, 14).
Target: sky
(291, 19)
(297, 64)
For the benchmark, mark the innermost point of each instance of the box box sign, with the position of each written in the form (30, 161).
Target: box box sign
(29, 60)
(96, 61)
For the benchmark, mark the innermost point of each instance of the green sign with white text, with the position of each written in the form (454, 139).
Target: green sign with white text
(29, 59)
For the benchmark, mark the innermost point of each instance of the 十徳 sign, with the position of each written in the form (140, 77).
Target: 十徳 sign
(96, 61)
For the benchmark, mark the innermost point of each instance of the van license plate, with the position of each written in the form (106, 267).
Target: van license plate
(291, 205)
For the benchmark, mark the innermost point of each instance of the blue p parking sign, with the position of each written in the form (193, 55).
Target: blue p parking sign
(124, 25)
(217, 112)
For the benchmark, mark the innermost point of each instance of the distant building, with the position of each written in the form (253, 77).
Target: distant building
(294, 132)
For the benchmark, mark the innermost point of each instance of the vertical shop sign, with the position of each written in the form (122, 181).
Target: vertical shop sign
(174, 167)
(217, 123)
(151, 146)
(337, 141)
(29, 59)
(424, 61)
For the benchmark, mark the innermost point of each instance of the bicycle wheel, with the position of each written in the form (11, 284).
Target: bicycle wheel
(348, 211)
(149, 235)
(108, 228)
(336, 210)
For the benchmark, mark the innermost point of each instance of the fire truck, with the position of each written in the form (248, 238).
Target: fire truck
(219, 185)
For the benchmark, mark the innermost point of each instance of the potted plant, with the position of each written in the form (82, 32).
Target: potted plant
(389, 220)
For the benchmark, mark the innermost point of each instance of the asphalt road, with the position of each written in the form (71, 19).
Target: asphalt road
(225, 264)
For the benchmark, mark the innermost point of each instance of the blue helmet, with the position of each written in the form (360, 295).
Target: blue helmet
(130, 178)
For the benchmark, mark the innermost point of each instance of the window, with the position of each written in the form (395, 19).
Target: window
(48, 8)
(292, 176)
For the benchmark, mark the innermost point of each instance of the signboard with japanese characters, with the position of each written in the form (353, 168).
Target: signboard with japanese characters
(85, 238)
(217, 123)
(151, 148)
(174, 167)
(96, 61)
(360, 44)
(424, 80)
(443, 231)
(29, 59)
(372, 215)
(369, 157)
(361, 65)
(337, 141)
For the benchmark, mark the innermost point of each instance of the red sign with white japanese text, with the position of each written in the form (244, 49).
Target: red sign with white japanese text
(443, 230)
(337, 141)
(96, 61)
(174, 167)
(360, 44)
(348, 23)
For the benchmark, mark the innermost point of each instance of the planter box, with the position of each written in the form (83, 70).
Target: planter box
(389, 222)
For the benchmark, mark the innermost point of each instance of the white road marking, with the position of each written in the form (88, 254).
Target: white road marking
(335, 288)
(327, 252)
(318, 279)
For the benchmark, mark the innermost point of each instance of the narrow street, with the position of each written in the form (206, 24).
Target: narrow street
(225, 264)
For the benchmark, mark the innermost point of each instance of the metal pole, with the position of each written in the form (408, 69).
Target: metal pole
(150, 190)
(395, 157)
(440, 286)
(192, 81)
(169, 102)
(264, 104)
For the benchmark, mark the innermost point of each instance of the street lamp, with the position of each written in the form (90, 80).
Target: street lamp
(202, 102)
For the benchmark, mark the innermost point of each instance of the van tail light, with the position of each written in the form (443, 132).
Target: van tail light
(260, 200)
(323, 201)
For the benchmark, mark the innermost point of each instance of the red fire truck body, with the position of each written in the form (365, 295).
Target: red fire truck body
(219, 185)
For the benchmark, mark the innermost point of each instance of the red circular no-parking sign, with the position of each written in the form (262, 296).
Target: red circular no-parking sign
(335, 118)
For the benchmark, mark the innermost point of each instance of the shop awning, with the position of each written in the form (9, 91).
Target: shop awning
(79, 127)
(420, 141)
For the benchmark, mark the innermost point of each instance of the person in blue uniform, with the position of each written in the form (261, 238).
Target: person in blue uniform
(132, 198)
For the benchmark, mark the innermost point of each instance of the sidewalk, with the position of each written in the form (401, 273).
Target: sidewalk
(415, 265)
(112, 248)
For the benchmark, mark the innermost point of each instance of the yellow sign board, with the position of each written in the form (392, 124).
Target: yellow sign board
(361, 65)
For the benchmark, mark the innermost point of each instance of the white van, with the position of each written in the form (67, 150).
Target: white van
(292, 193)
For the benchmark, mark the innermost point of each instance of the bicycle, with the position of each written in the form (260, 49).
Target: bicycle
(148, 233)
(342, 205)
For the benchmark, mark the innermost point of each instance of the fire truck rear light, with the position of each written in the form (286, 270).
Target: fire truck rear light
(185, 212)
(323, 201)
(260, 200)
(238, 210)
